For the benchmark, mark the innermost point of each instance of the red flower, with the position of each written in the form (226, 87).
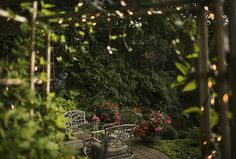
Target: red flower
(95, 118)
(168, 121)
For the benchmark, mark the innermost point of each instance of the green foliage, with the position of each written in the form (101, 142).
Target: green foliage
(178, 149)
(103, 78)
(170, 133)
(108, 112)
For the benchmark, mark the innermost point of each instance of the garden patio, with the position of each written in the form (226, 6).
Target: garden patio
(142, 79)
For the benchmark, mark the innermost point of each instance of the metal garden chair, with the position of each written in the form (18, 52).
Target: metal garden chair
(115, 143)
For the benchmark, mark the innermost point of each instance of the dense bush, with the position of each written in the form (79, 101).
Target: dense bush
(182, 134)
(170, 133)
(106, 78)
(108, 112)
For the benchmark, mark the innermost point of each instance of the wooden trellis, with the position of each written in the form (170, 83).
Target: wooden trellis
(227, 139)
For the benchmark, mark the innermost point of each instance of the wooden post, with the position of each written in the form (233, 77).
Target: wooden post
(48, 63)
(33, 35)
(232, 39)
(203, 82)
(220, 48)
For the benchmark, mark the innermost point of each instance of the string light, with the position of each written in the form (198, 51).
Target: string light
(210, 84)
(119, 13)
(36, 68)
(130, 12)
(214, 67)
(60, 21)
(149, 12)
(206, 8)
(178, 8)
(92, 17)
(80, 4)
(202, 109)
(226, 98)
(7, 89)
(98, 14)
(157, 12)
(212, 101)
(12, 107)
(94, 24)
(108, 19)
(205, 142)
(209, 157)
(123, 3)
(83, 20)
(219, 138)
(212, 16)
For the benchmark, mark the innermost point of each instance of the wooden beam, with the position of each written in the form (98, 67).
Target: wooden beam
(168, 3)
(48, 63)
(204, 92)
(11, 81)
(222, 85)
(232, 66)
(33, 36)
(17, 18)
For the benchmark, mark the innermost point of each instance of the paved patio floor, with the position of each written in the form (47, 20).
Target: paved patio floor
(144, 152)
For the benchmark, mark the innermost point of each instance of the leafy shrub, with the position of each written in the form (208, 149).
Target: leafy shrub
(182, 134)
(194, 135)
(170, 133)
(153, 123)
(178, 149)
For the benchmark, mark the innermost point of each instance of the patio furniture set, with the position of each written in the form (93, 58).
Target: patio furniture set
(103, 141)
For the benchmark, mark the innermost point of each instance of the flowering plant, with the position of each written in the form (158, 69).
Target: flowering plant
(95, 119)
(108, 112)
(153, 123)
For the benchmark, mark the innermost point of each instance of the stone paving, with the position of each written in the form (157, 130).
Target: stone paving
(144, 152)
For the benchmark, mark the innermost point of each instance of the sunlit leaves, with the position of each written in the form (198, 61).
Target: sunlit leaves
(11, 13)
(190, 86)
(63, 38)
(182, 68)
(191, 110)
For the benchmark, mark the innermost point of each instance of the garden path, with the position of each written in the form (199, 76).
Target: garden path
(144, 152)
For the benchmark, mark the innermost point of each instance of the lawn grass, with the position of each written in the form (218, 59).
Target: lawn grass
(178, 149)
